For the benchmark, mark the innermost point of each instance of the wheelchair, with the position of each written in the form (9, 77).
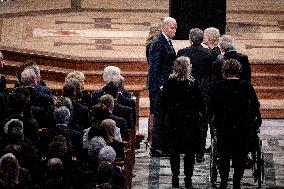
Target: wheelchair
(256, 164)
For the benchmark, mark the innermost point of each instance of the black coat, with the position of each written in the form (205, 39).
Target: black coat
(126, 101)
(121, 123)
(161, 58)
(201, 59)
(71, 135)
(182, 107)
(235, 107)
(124, 112)
(80, 117)
(243, 59)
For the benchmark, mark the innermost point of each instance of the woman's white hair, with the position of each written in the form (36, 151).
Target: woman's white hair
(5, 156)
(107, 153)
(17, 121)
(110, 72)
(95, 145)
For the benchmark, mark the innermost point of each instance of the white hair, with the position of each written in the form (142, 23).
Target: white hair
(28, 77)
(107, 153)
(62, 115)
(110, 72)
(95, 145)
(7, 124)
(5, 156)
(166, 21)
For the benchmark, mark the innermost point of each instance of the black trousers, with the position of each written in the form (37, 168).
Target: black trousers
(189, 160)
(238, 161)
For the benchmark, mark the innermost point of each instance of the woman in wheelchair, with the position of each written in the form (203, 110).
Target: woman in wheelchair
(235, 109)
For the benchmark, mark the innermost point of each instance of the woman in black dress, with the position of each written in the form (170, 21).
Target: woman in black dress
(236, 115)
(183, 107)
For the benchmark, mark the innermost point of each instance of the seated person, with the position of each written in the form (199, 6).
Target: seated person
(12, 175)
(107, 171)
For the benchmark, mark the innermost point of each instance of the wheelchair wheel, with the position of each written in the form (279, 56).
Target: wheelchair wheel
(258, 169)
(213, 162)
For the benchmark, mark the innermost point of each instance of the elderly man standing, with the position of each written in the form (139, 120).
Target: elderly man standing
(161, 58)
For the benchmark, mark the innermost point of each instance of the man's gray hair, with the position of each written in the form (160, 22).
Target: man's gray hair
(196, 36)
(95, 145)
(226, 42)
(61, 115)
(110, 72)
(28, 77)
(107, 153)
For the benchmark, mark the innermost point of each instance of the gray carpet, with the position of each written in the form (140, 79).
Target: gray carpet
(154, 173)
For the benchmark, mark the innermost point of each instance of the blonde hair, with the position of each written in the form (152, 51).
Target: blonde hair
(213, 35)
(76, 75)
(155, 30)
(181, 69)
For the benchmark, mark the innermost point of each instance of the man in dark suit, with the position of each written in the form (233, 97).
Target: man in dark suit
(119, 110)
(108, 101)
(41, 103)
(80, 114)
(161, 58)
(201, 60)
(62, 118)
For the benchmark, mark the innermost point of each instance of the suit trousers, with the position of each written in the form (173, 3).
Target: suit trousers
(189, 160)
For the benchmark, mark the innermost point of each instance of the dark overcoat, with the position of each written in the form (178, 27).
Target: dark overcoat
(182, 107)
(235, 108)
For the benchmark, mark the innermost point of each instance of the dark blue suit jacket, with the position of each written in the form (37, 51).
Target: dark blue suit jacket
(161, 58)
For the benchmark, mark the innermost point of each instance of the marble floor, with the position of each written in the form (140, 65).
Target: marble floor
(154, 173)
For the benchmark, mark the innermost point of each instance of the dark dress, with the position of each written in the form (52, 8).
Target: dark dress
(235, 107)
(182, 109)
(182, 105)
